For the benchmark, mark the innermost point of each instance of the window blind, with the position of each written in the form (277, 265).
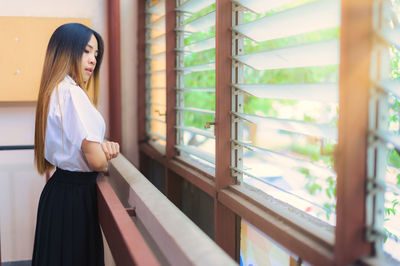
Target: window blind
(285, 100)
(383, 185)
(196, 80)
(155, 72)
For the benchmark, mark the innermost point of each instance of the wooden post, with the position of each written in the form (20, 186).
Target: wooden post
(225, 234)
(141, 99)
(170, 37)
(173, 183)
(114, 72)
(355, 49)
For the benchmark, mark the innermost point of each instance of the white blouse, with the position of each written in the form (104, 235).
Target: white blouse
(80, 120)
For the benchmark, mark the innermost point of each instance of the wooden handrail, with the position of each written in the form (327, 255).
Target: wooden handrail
(124, 239)
(179, 240)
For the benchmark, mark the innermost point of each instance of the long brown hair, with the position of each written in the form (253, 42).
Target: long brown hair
(63, 57)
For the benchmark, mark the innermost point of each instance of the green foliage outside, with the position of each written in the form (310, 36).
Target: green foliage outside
(392, 207)
(267, 107)
(321, 189)
(205, 79)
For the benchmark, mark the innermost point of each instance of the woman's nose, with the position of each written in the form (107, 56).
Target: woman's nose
(92, 59)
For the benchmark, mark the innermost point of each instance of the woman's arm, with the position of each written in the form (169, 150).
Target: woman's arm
(98, 155)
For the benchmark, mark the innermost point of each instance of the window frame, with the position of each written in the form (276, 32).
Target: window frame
(231, 201)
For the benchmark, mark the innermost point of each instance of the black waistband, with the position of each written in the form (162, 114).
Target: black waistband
(74, 177)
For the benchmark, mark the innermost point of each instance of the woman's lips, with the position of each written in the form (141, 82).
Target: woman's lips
(89, 70)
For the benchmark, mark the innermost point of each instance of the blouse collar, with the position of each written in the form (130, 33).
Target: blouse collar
(70, 80)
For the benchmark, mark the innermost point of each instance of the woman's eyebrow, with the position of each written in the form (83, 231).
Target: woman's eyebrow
(91, 47)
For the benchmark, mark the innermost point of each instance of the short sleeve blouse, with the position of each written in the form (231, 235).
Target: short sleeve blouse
(70, 105)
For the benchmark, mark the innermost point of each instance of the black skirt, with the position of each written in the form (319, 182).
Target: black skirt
(67, 225)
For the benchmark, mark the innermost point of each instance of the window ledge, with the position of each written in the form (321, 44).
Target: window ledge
(300, 233)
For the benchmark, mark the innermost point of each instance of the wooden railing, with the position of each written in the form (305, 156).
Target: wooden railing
(180, 241)
(124, 239)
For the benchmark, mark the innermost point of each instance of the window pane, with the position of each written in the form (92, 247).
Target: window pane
(257, 249)
(392, 204)
(155, 71)
(286, 102)
(196, 81)
(383, 206)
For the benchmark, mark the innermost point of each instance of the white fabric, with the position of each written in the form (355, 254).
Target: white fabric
(80, 120)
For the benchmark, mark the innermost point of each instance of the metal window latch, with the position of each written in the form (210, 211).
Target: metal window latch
(375, 186)
(209, 124)
(374, 234)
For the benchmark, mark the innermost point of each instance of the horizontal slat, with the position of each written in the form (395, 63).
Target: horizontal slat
(194, 6)
(322, 92)
(160, 56)
(156, 104)
(159, 40)
(152, 134)
(392, 36)
(208, 157)
(155, 88)
(308, 55)
(200, 24)
(158, 8)
(159, 24)
(196, 89)
(261, 6)
(311, 17)
(156, 119)
(286, 161)
(201, 45)
(390, 86)
(389, 138)
(197, 68)
(392, 187)
(197, 131)
(155, 72)
(305, 128)
(196, 110)
(266, 181)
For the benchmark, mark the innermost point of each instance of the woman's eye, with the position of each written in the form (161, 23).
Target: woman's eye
(86, 51)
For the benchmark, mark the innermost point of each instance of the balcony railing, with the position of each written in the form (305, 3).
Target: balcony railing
(179, 240)
(148, 229)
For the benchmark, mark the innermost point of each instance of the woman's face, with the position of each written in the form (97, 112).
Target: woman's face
(89, 58)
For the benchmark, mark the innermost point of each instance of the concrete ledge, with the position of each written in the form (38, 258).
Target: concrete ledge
(179, 239)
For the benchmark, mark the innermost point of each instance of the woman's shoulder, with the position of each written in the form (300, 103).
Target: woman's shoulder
(69, 86)
(69, 90)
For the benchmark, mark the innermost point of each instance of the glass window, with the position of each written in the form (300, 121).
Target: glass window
(285, 100)
(257, 249)
(383, 201)
(196, 80)
(155, 72)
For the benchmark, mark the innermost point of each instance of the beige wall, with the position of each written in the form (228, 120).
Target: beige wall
(129, 80)
(92, 9)
(20, 186)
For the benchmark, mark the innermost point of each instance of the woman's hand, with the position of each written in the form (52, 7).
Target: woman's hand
(110, 149)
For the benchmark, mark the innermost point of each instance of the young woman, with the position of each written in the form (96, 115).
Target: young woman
(69, 134)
